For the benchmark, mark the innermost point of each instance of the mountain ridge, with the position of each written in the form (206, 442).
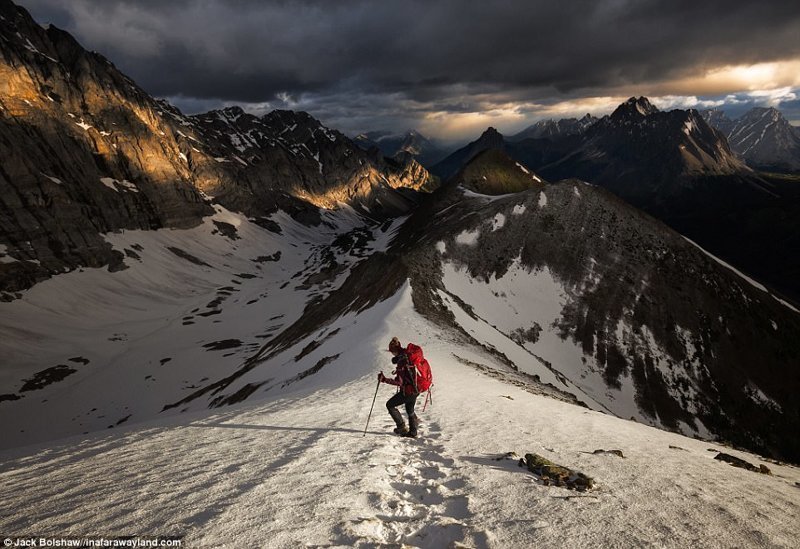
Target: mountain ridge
(681, 170)
(763, 137)
(86, 151)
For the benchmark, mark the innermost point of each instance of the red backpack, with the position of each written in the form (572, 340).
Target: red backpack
(424, 377)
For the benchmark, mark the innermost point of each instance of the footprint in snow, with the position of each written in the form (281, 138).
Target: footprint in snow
(424, 504)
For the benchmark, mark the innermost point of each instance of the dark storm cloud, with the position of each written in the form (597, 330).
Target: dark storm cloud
(250, 51)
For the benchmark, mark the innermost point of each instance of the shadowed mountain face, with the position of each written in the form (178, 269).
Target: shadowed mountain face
(635, 151)
(643, 322)
(491, 139)
(85, 151)
(676, 167)
(493, 172)
(639, 151)
(762, 136)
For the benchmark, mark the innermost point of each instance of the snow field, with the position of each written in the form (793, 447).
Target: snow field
(144, 331)
(295, 469)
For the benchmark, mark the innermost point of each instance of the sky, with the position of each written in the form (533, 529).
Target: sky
(448, 68)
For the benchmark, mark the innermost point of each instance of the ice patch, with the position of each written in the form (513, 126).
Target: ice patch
(468, 238)
(114, 184)
(487, 197)
(787, 304)
(542, 199)
(521, 167)
(55, 180)
(519, 209)
(237, 142)
(576, 192)
(183, 157)
(83, 124)
(758, 396)
(109, 182)
(221, 159)
(316, 157)
(498, 222)
(441, 247)
(128, 185)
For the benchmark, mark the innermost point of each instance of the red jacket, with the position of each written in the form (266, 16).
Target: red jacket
(405, 375)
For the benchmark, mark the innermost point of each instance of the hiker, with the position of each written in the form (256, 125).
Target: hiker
(405, 380)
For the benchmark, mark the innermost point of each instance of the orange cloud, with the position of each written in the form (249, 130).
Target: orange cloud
(739, 78)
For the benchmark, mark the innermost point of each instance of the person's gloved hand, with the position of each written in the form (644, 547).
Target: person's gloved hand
(381, 377)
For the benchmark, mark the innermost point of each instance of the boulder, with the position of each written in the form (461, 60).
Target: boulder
(552, 473)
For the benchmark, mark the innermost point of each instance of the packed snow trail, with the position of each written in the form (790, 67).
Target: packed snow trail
(297, 471)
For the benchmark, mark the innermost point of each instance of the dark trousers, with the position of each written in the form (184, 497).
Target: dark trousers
(398, 399)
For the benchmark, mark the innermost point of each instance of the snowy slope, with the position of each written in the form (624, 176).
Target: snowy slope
(581, 293)
(191, 307)
(295, 469)
(605, 304)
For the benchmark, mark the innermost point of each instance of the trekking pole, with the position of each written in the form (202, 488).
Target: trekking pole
(371, 407)
(429, 396)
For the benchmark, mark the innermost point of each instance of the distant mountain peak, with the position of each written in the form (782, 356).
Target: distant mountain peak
(770, 113)
(491, 138)
(636, 107)
(762, 136)
(233, 110)
(425, 150)
(553, 129)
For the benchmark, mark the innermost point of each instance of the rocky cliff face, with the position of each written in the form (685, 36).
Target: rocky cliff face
(639, 150)
(85, 151)
(762, 136)
(293, 153)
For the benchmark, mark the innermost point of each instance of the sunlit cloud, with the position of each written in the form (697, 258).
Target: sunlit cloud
(449, 125)
(669, 102)
(449, 68)
(739, 78)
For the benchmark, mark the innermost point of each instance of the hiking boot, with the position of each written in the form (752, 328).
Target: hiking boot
(413, 423)
(401, 428)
